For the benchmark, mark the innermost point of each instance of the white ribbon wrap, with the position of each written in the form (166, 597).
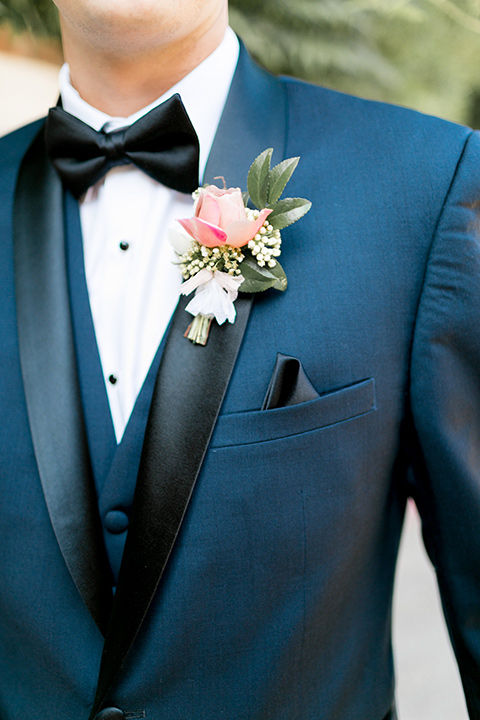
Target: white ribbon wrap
(215, 293)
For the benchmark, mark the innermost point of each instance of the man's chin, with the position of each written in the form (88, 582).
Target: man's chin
(129, 27)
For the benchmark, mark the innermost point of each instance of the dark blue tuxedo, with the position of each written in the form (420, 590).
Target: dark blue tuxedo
(275, 602)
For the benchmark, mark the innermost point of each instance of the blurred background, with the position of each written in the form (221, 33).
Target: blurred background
(420, 53)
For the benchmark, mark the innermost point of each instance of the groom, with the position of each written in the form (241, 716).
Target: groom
(211, 532)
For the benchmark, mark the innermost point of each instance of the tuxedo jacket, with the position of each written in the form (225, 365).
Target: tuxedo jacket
(267, 596)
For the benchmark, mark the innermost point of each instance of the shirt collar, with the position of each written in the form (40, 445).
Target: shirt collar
(203, 91)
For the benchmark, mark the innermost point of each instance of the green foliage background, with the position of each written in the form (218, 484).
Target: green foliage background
(36, 16)
(422, 53)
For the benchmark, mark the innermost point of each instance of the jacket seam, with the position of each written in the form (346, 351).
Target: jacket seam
(432, 243)
(408, 384)
(433, 239)
(287, 117)
(433, 544)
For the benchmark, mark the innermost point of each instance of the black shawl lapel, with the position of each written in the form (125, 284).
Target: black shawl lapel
(50, 378)
(190, 386)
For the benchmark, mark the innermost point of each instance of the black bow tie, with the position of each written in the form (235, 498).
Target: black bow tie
(162, 143)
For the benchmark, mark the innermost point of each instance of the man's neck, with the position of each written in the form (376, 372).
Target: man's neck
(120, 85)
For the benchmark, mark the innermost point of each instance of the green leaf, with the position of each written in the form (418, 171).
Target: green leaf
(288, 211)
(258, 279)
(246, 198)
(258, 178)
(279, 177)
(281, 279)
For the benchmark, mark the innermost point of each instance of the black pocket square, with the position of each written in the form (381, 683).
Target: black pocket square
(289, 384)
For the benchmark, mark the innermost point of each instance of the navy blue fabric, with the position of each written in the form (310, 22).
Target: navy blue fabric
(276, 602)
(115, 467)
(100, 433)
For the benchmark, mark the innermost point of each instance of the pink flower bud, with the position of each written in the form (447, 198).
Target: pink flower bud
(220, 218)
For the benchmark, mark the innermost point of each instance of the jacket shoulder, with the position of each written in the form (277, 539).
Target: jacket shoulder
(372, 128)
(372, 116)
(14, 145)
(400, 151)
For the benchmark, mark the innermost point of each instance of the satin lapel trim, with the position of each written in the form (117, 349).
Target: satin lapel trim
(49, 372)
(188, 393)
(190, 387)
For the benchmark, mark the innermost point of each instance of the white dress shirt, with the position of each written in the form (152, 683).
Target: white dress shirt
(133, 285)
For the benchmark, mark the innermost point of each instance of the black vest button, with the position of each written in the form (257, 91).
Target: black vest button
(110, 713)
(116, 521)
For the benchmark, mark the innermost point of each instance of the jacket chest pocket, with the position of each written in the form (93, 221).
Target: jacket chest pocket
(260, 426)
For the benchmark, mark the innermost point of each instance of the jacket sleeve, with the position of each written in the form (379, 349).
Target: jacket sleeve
(445, 406)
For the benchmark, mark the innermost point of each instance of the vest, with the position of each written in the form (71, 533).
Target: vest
(114, 467)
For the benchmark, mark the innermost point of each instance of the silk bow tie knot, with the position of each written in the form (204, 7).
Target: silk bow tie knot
(163, 143)
(112, 145)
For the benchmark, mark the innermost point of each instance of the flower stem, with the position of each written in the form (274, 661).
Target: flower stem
(199, 329)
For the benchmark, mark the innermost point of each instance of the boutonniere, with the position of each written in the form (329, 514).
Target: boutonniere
(229, 247)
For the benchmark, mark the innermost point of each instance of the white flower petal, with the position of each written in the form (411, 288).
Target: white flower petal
(179, 238)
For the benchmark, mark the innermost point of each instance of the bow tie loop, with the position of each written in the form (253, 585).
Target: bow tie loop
(163, 143)
(112, 145)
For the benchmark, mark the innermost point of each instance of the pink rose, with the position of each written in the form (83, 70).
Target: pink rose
(220, 218)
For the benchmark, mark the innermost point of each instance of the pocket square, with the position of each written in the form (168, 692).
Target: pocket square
(289, 384)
